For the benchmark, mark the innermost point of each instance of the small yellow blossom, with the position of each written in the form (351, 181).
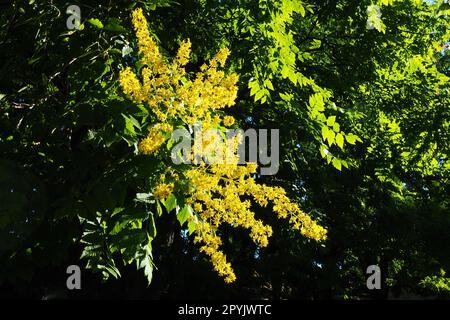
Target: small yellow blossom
(130, 84)
(147, 46)
(163, 190)
(184, 52)
(211, 243)
(155, 138)
(228, 121)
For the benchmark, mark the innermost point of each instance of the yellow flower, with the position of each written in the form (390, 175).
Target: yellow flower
(163, 190)
(184, 52)
(220, 58)
(130, 84)
(147, 46)
(228, 121)
(211, 243)
(155, 138)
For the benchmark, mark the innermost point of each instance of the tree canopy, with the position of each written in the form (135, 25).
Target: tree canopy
(359, 91)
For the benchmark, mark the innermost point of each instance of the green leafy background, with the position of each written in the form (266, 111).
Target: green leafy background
(364, 119)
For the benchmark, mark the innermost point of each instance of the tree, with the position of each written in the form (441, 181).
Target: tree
(361, 100)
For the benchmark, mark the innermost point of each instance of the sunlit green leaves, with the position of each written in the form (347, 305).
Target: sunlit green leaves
(340, 140)
(170, 203)
(145, 197)
(316, 103)
(184, 214)
(325, 80)
(96, 23)
(147, 264)
(374, 18)
(328, 135)
(352, 138)
(337, 164)
(331, 121)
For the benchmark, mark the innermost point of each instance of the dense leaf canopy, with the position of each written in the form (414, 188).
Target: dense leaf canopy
(360, 91)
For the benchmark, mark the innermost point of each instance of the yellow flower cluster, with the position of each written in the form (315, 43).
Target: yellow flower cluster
(163, 190)
(285, 208)
(147, 46)
(211, 243)
(183, 54)
(217, 198)
(131, 85)
(228, 121)
(155, 138)
(218, 192)
(162, 88)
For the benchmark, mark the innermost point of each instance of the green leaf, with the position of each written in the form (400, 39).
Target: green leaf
(323, 151)
(337, 164)
(146, 263)
(350, 138)
(324, 132)
(316, 102)
(254, 87)
(170, 203)
(191, 227)
(330, 137)
(96, 23)
(184, 214)
(344, 163)
(331, 120)
(259, 95)
(268, 84)
(109, 269)
(151, 226)
(129, 239)
(129, 126)
(114, 25)
(286, 96)
(329, 158)
(340, 140)
(145, 197)
(159, 209)
(336, 127)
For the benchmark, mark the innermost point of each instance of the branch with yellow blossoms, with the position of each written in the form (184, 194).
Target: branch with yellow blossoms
(215, 191)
